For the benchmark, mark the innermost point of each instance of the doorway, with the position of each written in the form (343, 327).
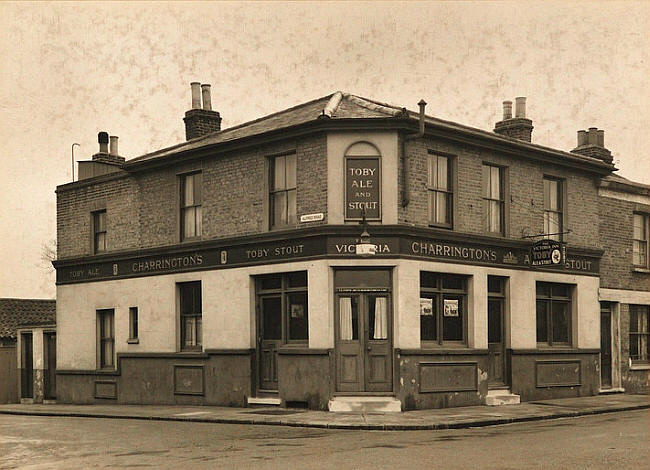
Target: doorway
(497, 371)
(363, 331)
(27, 366)
(50, 362)
(605, 345)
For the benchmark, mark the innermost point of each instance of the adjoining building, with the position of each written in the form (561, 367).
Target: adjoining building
(624, 284)
(336, 253)
(27, 350)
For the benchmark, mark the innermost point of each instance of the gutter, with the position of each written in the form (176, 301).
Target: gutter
(406, 193)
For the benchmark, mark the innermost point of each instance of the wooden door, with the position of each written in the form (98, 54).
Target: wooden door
(378, 362)
(349, 344)
(269, 337)
(50, 373)
(496, 352)
(27, 367)
(605, 346)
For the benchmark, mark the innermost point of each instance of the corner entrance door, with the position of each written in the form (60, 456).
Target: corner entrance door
(269, 338)
(605, 345)
(497, 375)
(27, 369)
(50, 373)
(363, 333)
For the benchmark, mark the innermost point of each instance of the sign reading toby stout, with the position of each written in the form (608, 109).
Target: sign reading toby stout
(547, 253)
(362, 188)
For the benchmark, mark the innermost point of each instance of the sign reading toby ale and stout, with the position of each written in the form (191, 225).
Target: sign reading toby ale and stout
(547, 253)
(362, 188)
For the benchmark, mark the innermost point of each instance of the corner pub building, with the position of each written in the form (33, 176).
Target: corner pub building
(338, 254)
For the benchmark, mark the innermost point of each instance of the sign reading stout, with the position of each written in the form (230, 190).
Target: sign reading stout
(547, 252)
(362, 188)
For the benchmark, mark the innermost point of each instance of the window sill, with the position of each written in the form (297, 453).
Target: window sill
(636, 269)
(640, 367)
(133, 341)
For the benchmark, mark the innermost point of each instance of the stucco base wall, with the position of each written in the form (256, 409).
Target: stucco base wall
(441, 380)
(305, 378)
(636, 381)
(545, 376)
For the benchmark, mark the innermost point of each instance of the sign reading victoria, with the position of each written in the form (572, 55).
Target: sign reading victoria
(362, 188)
(323, 245)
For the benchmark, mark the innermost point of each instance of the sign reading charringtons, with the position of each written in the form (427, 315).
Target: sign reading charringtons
(507, 254)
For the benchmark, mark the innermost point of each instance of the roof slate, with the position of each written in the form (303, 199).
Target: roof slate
(17, 312)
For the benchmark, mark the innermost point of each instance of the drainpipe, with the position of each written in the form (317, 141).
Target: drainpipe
(406, 193)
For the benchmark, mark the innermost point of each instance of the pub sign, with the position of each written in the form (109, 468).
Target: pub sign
(547, 253)
(362, 188)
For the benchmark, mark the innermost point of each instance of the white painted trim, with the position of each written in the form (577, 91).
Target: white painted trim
(624, 296)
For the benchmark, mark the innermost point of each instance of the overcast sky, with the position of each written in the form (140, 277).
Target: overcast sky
(70, 70)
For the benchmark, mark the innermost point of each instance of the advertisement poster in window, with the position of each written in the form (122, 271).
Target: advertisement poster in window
(297, 311)
(451, 308)
(426, 307)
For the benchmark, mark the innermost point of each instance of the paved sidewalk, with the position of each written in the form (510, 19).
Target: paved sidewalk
(447, 418)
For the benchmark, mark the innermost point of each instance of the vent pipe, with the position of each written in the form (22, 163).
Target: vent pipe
(207, 101)
(102, 138)
(196, 95)
(113, 146)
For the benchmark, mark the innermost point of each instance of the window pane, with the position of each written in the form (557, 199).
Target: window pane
(280, 208)
(432, 206)
(100, 221)
(107, 353)
(279, 176)
(188, 328)
(298, 316)
(197, 189)
(428, 318)
(378, 318)
(189, 222)
(494, 216)
(441, 208)
(291, 171)
(547, 194)
(543, 289)
(297, 279)
(494, 320)
(271, 282)
(486, 181)
(560, 322)
(495, 182)
(560, 290)
(433, 171)
(452, 323)
(199, 331)
(553, 196)
(272, 317)
(634, 347)
(291, 206)
(542, 321)
(428, 279)
(198, 221)
(188, 191)
(443, 175)
(100, 244)
(450, 281)
(495, 284)
(349, 318)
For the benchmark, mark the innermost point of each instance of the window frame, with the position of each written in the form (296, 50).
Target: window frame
(435, 190)
(560, 211)
(549, 301)
(103, 338)
(487, 199)
(96, 224)
(438, 294)
(197, 189)
(645, 229)
(643, 309)
(198, 331)
(273, 191)
(284, 292)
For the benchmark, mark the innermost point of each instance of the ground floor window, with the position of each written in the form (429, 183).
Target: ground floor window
(553, 314)
(639, 332)
(284, 311)
(191, 316)
(106, 338)
(443, 308)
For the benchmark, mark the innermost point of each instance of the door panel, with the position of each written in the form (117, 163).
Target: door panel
(349, 354)
(605, 347)
(378, 360)
(270, 338)
(27, 364)
(50, 373)
(496, 353)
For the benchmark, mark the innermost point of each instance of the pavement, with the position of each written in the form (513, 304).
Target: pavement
(447, 418)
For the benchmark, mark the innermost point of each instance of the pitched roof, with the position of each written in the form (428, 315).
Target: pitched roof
(341, 105)
(17, 312)
(624, 184)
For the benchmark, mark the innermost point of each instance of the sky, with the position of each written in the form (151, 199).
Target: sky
(70, 70)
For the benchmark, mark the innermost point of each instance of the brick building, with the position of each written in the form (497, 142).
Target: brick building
(340, 254)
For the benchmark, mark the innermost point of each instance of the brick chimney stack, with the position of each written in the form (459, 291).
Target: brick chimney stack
(518, 127)
(201, 121)
(105, 155)
(592, 144)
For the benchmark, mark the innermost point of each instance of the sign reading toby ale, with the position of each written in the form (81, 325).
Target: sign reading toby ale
(362, 188)
(547, 252)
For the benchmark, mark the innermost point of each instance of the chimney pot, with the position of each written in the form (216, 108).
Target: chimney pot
(582, 138)
(102, 138)
(507, 110)
(196, 95)
(601, 138)
(207, 101)
(520, 107)
(113, 148)
(422, 104)
(593, 136)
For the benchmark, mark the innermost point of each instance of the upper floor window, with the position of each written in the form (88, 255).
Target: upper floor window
(439, 185)
(443, 309)
(99, 231)
(106, 339)
(639, 334)
(640, 241)
(493, 198)
(191, 217)
(553, 204)
(553, 313)
(191, 314)
(282, 197)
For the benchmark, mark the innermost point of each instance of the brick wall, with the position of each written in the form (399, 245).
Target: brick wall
(142, 209)
(526, 189)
